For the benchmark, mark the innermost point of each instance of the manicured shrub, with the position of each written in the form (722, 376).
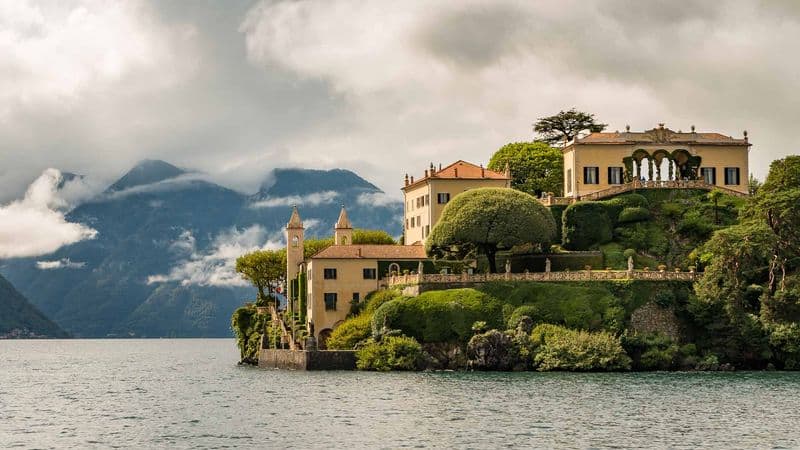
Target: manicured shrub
(635, 214)
(377, 298)
(351, 332)
(585, 225)
(390, 353)
(531, 311)
(439, 316)
(559, 348)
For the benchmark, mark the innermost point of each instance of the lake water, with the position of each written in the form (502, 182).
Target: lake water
(191, 394)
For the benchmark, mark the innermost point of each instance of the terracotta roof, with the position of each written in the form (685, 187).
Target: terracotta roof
(461, 170)
(660, 135)
(294, 221)
(344, 221)
(372, 252)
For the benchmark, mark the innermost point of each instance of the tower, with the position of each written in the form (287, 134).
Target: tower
(343, 231)
(294, 247)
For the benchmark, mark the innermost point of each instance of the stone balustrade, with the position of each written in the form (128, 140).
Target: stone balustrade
(578, 275)
(634, 185)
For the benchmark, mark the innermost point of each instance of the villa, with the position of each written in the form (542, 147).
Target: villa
(604, 161)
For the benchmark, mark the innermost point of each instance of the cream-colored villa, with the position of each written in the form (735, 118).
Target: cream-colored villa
(426, 197)
(602, 161)
(341, 274)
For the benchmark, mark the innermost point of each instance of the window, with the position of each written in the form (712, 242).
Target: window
(731, 175)
(709, 175)
(406, 223)
(419, 221)
(427, 231)
(615, 175)
(569, 180)
(370, 274)
(443, 197)
(590, 175)
(427, 199)
(330, 301)
(329, 274)
(356, 297)
(295, 241)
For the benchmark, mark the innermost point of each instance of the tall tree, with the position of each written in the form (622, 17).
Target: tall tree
(484, 221)
(265, 269)
(535, 166)
(564, 126)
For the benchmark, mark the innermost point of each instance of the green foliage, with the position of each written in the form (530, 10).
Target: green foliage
(559, 348)
(390, 353)
(655, 351)
(486, 220)
(265, 269)
(635, 214)
(564, 126)
(375, 299)
(351, 332)
(586, 225)
(535, 166)
(248, 326)
(376, 237)
(439, 316)
(784, 339)
(497, 350)
(575, 306)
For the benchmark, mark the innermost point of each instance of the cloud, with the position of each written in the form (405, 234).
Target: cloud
(378, 199)
(63, 263)
(217, 266)
(33, 226)
(313, 199)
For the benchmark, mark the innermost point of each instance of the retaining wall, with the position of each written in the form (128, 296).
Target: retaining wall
(307, 360)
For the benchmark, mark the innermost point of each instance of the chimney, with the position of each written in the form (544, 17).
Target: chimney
(433, 169)
(440, 166)
(426, 173)
(455, 169)
(745, 136)
(627, 128)
(692, 128)
(482, 172)
(412, 180)
(406, 179)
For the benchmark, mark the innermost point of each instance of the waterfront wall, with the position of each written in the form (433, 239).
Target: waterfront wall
(307, 360)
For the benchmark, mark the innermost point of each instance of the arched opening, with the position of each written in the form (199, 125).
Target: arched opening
(394, 269)
(295, 241)
(682, 160)
(322, 341)
(641, 165)
(661, 166)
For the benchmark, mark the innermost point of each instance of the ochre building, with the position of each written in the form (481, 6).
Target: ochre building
(600, 161)
(426, 197)
(328, 283)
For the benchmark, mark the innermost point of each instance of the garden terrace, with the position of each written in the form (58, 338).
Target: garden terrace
(578, 276)
(637, 185)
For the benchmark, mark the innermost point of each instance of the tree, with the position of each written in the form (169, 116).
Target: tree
(714, 196)
(565, 125)
(753, 185)
(490, 219)
(265, 269)
(375, 237)
(535, 166)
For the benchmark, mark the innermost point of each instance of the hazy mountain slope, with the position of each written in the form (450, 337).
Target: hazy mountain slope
(18, 318)
(149, 223)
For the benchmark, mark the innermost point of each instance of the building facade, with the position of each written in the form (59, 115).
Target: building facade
(425, 198)
(327, 284)
(600, 161)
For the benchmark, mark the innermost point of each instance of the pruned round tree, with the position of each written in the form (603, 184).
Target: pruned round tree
(535, 166)
(485, 221)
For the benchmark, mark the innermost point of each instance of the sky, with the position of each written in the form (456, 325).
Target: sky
(236, 88)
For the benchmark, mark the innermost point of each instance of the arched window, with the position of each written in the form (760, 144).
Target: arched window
(295, 241)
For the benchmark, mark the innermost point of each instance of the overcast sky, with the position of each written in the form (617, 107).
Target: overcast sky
(235, 88)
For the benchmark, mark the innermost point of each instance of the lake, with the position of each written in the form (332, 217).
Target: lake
(189, 393)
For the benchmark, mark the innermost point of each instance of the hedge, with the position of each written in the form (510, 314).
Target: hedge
(634, 214)
(585, 224)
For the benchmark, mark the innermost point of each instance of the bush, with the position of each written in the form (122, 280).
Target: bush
(586, 224)
(391, 353)
(531, 311)
(351, 332)
(496, 350)
(784, 339)
(377, 298)
(439, 316)
(559, 348)
(636, 214)
(248, 327)
(655, 351)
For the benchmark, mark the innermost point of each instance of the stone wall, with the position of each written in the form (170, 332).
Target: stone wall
(307, 360)
(652, 318)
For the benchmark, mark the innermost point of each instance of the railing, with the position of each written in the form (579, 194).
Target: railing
(671, 184)
(579, 275)
(634, 185)
(285, 334)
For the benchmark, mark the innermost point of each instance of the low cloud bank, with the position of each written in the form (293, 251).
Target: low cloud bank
(36, 225)
(217, 265)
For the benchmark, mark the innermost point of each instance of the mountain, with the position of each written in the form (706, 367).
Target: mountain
(18, 318)
(147, 172)
(158, 264)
